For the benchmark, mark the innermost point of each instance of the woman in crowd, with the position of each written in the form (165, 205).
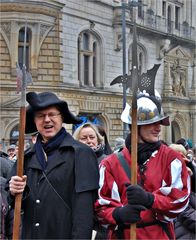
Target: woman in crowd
(107, 147)
(88, 134)
(186, 220)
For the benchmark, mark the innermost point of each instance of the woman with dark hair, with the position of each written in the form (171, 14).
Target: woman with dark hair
(107, 147)
(183, 142)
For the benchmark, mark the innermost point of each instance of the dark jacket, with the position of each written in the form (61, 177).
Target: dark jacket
(5, 167)
(100, 153)
(7, 215)
(185, 226)
(3, 154)
(60, 202)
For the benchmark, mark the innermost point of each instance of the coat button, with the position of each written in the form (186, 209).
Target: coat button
(37, 201)
(37, 225)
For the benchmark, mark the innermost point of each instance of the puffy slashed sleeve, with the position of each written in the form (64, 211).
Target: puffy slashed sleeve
(173, 196)
(111, 190)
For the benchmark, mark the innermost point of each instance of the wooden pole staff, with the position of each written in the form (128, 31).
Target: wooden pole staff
(134, 129)
(20, 159)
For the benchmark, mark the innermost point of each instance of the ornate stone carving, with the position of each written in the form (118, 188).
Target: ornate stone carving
(118, 42)
(6, 27)
(164, 47)
(14, 103)
(176, 72)
(43, 30)
(178, 75)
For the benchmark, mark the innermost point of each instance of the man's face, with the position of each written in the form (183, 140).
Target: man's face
(48, 122)
(149, 133)
(11, 152)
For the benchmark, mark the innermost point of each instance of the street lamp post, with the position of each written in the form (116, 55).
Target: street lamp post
(125, 79)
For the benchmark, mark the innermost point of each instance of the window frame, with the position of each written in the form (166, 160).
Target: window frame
(89, 59)
(21, 47)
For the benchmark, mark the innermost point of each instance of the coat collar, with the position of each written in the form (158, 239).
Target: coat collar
(67, 142)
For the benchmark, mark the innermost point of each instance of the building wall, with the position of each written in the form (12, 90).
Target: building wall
(55, 28)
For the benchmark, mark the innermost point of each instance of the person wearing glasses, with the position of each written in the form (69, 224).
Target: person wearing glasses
(61, 175)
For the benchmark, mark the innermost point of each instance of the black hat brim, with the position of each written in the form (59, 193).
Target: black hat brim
(52, 100)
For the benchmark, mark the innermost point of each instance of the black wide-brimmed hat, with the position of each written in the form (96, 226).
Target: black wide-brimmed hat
(44, 100)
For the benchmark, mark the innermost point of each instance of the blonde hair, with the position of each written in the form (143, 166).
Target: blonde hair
(179, 148)
(91, 125)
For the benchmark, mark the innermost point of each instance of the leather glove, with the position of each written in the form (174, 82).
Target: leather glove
(128, 213)
(137, 195)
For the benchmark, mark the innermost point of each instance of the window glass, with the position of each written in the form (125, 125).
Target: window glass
(89, 59)
(21, 44)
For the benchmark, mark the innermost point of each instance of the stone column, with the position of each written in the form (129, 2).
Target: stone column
(167, 88)
(81, 62)
(90, 61)
(168, 135)
(193, 118)
(188, 12)
(14, 44)
(194, 76)
(159, 7)
(192, 90)
(168, 129)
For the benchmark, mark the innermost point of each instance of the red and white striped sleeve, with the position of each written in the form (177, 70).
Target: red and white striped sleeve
(173, 195)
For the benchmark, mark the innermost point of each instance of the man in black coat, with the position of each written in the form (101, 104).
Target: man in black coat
(60, 179)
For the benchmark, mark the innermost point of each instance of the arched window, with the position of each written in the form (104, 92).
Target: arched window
(140, 9)
(177, 17)
(94, 62)
(21, 43)
(14, 134)
(164, 8)
(140, 62)
(169, 21)
(89, 117)
(89, 60)
(176, 134)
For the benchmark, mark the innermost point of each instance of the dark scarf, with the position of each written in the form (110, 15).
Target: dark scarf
(46, 148)
(99, 151)
(145, 150)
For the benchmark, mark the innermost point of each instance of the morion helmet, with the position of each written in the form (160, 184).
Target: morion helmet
(149, 111)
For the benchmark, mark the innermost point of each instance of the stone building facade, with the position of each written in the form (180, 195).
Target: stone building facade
(75, 49)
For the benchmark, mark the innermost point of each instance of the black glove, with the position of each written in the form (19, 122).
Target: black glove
(137, 195)
(128, 213)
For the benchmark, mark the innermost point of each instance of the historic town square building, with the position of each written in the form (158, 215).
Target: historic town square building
(75, 48)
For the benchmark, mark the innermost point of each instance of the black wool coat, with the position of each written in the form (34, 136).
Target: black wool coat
(60, 202)
(7, 214)
(185, 225)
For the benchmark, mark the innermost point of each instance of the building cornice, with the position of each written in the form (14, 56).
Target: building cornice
(49, 7)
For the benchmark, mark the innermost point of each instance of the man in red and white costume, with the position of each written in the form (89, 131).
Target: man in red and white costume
(163, 185)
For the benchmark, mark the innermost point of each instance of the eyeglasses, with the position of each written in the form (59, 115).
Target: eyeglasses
(51, 115)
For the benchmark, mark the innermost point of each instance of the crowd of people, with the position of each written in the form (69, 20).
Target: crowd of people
(78, 187)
